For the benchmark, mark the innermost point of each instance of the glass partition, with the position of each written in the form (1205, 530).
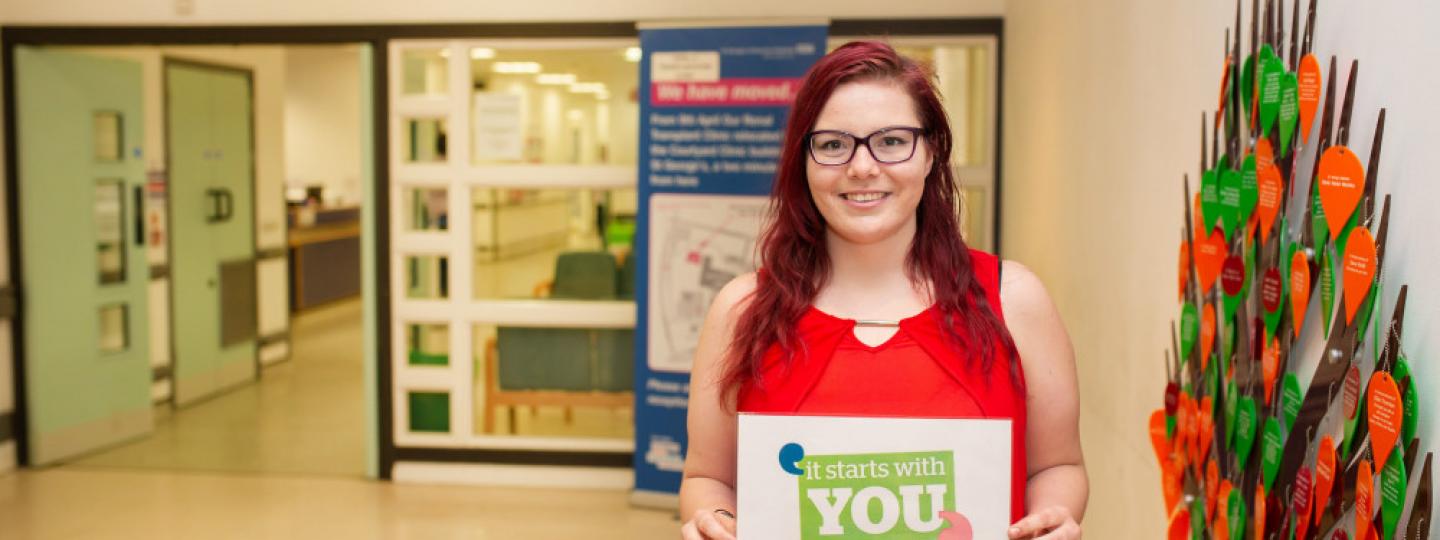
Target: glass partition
(521, 184)
(427, 209)
(553, 106)
(554, 382)
(427, 277)
(425, 71)
(428, 140)
(428, 344)
(569, 244)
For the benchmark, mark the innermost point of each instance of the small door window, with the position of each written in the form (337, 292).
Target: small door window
(114, 328)
(109, 214)
(109, 139)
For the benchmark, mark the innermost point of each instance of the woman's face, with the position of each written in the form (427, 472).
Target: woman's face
(866, 201)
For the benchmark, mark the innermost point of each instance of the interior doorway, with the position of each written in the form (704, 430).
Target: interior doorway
(224, 189)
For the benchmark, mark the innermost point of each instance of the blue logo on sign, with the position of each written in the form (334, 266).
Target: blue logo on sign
(790, 456)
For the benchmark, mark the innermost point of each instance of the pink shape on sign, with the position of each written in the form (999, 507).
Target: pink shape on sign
(959, 527)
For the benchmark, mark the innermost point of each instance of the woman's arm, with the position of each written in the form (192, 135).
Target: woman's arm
(709, 481)
(1057, 489)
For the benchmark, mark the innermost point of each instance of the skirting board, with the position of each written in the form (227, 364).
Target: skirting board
(486, 474)
(655, 500)
(274, 353)
(8, 459)
(160, 391)
(69, 442)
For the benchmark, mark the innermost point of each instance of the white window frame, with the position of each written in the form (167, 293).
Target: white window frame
(460, 310)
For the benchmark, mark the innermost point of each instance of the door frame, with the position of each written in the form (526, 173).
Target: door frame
(378, 38)
(166, 62)
(12, 36)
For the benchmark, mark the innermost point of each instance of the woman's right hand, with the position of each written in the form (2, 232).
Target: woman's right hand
(709, 525)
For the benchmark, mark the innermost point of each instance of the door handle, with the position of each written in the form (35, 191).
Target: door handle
(217, 208)
(222, 205)
(229, 200)
(139, 215)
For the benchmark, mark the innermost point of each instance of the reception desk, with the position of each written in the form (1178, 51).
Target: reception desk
(325, 258)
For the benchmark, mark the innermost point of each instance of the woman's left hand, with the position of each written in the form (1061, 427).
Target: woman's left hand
(1050, 523)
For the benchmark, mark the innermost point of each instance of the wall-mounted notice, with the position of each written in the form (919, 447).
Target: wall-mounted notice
(156, 221)
(713, 102)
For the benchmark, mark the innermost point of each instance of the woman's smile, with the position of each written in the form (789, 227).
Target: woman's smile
(865, 199)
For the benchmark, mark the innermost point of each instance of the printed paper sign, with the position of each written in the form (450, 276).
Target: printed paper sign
(499, 132)
(814, 477)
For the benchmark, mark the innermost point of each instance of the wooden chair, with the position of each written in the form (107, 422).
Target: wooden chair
(567, 367)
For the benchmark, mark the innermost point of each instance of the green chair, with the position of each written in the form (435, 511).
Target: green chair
(584, 275)
(614, 361)
(625, 287)
(566, 367)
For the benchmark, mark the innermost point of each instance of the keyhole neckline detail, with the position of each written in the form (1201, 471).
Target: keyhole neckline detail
(854, 322)
(851, 324)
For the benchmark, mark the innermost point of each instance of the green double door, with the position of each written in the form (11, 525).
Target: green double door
(83, 267)
(208, 120)
(84, 272)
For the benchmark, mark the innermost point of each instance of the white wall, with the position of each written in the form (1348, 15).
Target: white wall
(1101, 111)
(321, 99)
(447, 11)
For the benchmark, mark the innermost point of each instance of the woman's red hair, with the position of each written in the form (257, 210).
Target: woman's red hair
(793, 257)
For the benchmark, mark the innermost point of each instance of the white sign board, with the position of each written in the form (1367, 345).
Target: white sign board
(812, 477)
(499, 120)
(685, 66)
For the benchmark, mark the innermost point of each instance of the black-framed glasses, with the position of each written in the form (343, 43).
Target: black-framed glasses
(888, 145)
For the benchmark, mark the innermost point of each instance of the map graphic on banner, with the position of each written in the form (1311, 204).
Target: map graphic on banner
(851, 477)
(698, 243)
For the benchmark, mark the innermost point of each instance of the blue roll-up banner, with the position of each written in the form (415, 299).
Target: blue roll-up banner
(713, 102)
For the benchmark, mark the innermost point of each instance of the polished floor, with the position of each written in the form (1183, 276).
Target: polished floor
(305, 415)
(84, 503)
(284, 458)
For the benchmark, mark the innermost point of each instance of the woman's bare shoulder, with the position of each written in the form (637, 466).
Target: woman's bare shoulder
(720, 321)
(734, 293)
(1022, 294)
(1035, 323)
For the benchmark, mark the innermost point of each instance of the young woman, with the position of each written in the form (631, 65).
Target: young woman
(864, 228)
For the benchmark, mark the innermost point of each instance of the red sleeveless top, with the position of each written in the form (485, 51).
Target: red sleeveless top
(914, 374)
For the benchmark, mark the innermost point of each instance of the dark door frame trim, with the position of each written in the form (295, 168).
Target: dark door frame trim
(378, 37)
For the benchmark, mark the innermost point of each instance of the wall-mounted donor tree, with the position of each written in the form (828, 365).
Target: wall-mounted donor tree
(1282, 255)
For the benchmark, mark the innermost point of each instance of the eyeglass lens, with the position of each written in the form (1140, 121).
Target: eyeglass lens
(886, 146)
